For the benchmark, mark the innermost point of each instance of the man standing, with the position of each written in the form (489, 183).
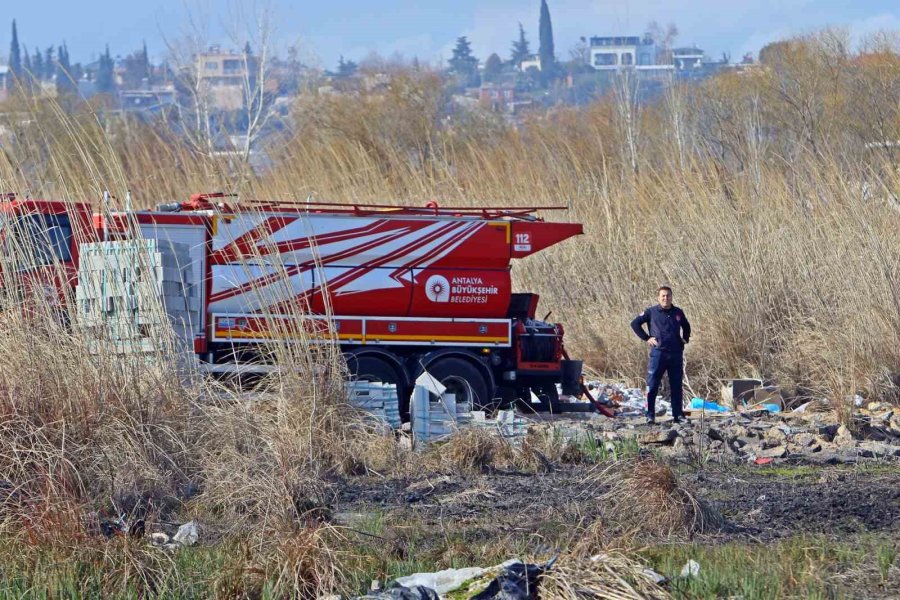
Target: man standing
(669, 332)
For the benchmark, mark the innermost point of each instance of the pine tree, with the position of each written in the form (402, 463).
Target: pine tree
(15, 57)
(520, 49)
(463, 63)
(493, 66)
(546, 52)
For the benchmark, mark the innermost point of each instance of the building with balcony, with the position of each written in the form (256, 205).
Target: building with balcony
(225, 77)
(608, 53)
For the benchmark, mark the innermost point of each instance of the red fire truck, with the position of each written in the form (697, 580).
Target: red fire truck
(401, 289)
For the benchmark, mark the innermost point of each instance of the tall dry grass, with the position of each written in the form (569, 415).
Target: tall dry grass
(777, 229)
(775, 225)
(89, 435)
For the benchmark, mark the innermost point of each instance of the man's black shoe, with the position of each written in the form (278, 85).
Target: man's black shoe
(680, 419)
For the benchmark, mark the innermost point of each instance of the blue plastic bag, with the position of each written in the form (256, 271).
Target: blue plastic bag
(701, 404)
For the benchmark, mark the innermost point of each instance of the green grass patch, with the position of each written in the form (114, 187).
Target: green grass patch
(805, 566)
(114, 570)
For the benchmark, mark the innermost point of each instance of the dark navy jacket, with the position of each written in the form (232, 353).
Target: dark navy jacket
(669, 327)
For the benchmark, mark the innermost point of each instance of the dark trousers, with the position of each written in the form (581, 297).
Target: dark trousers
(662, 361)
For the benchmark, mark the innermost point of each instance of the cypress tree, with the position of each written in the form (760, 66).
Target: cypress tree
(27, 69)
(26, 62)
(15, 56)
(146, 58)
(546, 52)
(105, 79)
(37, 63)
(64, 82)
(49, 65)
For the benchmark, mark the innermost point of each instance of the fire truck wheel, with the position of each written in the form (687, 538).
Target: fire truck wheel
(368, 367)
(462, 378)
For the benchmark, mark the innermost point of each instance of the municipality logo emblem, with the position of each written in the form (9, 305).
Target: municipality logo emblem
(437, 288)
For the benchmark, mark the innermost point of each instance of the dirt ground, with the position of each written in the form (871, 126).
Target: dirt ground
(759, 503)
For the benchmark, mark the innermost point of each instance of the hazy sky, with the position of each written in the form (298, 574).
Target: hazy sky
(327, 29)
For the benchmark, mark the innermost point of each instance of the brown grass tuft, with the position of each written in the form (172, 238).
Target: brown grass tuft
(646, 495)
(471, 451)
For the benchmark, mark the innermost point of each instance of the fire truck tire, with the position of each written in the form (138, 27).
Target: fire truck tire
(462, 378)
(371, 367)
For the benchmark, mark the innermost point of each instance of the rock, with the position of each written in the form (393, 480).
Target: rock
(159, 539)
(785, 429)
(804, 439)
(831, 457)
(884, 417)
(187, 534)
(794, 448)
(738, 431)
(895, 424)
(765, 444)
(737, 443)
(665, 436)
(774, 435)
(828, 431)
(715, 434)
(776, 452)
(716, 444)
(843, 437)
(877, 450)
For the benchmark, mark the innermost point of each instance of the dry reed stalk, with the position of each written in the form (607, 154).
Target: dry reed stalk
(609, 575)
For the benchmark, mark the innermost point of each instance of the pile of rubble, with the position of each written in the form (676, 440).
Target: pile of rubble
(762, 436)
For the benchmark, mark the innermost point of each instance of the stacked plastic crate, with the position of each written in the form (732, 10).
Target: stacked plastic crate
(436, 417)
(510, 425)
(376, 398)
(132, 295)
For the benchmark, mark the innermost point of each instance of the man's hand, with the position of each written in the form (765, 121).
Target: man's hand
(652, 342)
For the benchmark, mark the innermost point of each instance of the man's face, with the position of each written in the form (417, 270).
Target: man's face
(665, 298)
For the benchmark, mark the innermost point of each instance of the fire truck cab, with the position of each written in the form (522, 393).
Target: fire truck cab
(40, 245)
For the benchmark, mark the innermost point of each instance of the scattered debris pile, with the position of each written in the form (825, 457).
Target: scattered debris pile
(605, 575)
(749, 436)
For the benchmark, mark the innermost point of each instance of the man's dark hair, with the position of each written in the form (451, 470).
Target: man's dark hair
(664, 287)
